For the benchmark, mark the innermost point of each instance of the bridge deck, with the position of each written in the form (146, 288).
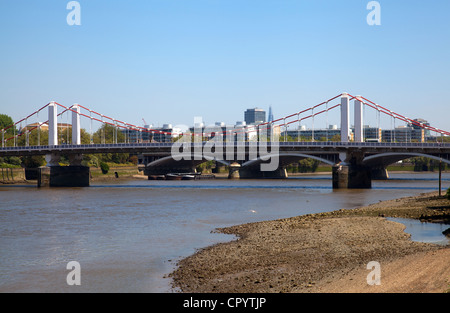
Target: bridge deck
(330, 147)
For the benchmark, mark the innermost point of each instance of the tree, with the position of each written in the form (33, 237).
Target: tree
(107, 134)
(104, 167)
(33, 161)
(35, 137)
(308, 165)
(6, 121)
(65, 136)
(133, 159)
(336, 138)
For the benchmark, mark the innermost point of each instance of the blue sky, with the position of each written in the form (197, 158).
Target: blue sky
(168, 61)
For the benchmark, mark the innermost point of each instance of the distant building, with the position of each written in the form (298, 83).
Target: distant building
(44, 127)
(218, 131)
(319, 134)
(421, 122)
(138, 135)
(404, 134)
(371, 133)
(255, 116)
(167, 133)
(270, 119)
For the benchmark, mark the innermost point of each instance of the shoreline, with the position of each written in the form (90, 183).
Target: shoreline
(127, 173)
(325, 253)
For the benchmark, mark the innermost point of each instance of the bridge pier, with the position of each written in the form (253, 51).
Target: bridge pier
(234, 171)
(251, 173)
(380, 173)
(54, 175)
(351, 177)
(63, 176)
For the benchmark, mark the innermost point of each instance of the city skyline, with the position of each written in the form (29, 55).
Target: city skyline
(169, 62)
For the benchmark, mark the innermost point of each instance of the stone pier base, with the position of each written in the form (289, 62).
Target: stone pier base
(380, 174)
(351, 177)
(234, 171)
(64, 176)
(255, 174)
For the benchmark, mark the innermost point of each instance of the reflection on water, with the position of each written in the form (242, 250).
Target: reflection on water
(424, 231)
(128, 235)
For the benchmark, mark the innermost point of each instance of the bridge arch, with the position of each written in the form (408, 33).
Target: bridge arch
(289, 158)
(168, 160)
(385, 159)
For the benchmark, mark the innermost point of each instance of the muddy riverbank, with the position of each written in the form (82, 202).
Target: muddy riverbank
(325, 252)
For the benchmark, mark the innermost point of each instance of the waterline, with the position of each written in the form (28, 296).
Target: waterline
(424, 231)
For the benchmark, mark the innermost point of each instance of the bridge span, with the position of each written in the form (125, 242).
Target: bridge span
(354, 161)
(354, 164)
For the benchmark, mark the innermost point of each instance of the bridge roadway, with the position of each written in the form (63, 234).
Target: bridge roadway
(369, 147)
(351, 161)
(369, 150)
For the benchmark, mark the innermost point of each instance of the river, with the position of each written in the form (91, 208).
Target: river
(128, 235)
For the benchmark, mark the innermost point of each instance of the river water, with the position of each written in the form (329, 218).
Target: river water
(127, 236)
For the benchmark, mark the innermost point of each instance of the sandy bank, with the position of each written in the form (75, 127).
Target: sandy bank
(326, 252)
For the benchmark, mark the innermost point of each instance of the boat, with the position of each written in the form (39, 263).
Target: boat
(173, 177)
(206, 176)
(188, 177)
(156, 177)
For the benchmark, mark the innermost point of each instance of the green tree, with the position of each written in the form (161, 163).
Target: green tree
(65, 136)
(308, 165)
(336, 138)
(33, 161)
(420, 164)
(104, 167)
(6, 121)
(35, 137)
(107, 134)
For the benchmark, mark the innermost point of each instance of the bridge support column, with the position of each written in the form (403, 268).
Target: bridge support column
(254, 173)
(76, 130)
(359, 130)
(75, 159)
(350, 173)
(380, 173)
(234, 172)
(52, 124)
(52, 159)
(345, 118)
(64, 176)
(54, 175)
(351, 177)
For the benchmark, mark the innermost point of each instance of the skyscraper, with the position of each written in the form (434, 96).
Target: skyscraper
(270, 115)
(255, 116)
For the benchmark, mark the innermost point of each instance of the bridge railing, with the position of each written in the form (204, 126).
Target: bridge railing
(130, 146)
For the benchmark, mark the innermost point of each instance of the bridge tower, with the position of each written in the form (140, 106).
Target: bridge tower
(76, 130)
(345, 117)
(359, 118)
(54, 175)
(350, 172)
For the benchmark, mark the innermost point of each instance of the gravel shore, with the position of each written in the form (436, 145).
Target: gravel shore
(325, 252)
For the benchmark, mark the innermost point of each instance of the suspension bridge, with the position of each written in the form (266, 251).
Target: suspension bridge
(257, 151)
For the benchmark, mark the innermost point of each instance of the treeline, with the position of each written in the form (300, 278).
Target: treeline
(303, 166)
(423, 164)
(91, 160)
